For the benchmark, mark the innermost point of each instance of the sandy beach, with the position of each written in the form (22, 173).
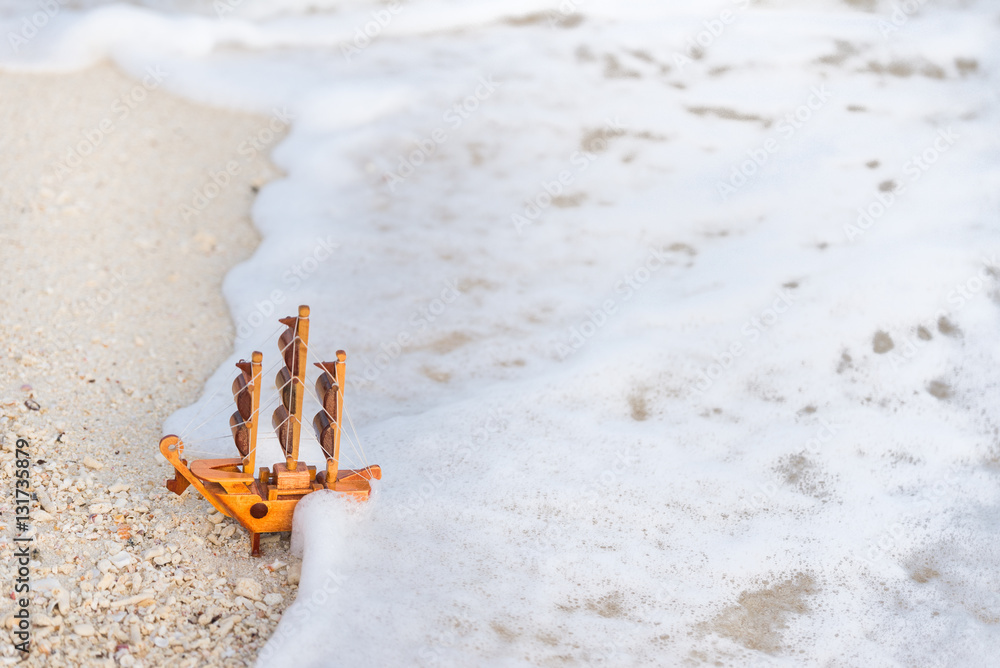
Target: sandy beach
(112, 318)
(671, 326)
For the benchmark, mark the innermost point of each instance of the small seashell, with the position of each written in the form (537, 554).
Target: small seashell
(124, 532)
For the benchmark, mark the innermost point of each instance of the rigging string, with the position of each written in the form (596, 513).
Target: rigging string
(228, 406)
(273, 400)
(355, 442)
(361, 454)
(364, 461)
(198, 412)
(218, 438)
(270, 402)
(219, 389)
(351, 422)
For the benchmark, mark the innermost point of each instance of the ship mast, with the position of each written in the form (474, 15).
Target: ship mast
(287, 419)
(330, 388)
(246, 392)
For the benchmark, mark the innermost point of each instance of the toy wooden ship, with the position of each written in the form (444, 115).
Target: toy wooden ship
(265, 503)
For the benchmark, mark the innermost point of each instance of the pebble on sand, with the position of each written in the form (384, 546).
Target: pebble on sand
(294, 573)
(227, 624)
(45, 501)
(62, 601)
(249, 589)
(84, 630)
(121, 560)
(153, 553)
(92, 463)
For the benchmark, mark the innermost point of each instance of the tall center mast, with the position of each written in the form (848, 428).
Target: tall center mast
(287, 419)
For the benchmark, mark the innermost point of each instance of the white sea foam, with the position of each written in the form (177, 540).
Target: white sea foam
(612, 323)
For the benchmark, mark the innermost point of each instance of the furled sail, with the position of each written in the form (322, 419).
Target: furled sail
(243, 423)
(327, 423)
(290, 380)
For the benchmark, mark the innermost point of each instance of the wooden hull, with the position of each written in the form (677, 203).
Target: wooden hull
(260, 506)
